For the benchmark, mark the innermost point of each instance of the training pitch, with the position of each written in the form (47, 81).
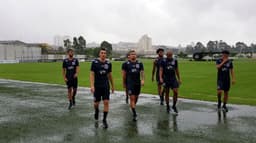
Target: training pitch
(37, 113)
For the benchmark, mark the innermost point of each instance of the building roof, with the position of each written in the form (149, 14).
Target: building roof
(17, 42)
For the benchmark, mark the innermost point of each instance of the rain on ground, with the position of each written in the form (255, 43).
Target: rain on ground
(35, 112)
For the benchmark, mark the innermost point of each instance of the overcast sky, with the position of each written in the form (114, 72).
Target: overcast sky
(169, 22)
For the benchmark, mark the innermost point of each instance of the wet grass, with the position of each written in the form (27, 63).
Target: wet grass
(199, 78)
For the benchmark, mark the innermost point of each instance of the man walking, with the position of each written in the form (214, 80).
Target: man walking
(70, 70)
(169, 72)
(225, 68)
(100, 76)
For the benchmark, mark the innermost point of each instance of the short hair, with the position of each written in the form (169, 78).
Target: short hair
(131, 51)
(159, 50)
(69, 49)
(225, 52)
(103, 49)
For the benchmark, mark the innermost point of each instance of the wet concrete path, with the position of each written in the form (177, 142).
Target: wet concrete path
(34, 112)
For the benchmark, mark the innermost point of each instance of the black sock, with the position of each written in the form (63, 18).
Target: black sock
(224, 104)
(219, 101)
(96, 110)
(134, 112)
(70, 102)
(105, 114)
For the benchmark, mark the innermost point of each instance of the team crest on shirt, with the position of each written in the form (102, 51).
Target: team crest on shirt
(106, 66)
(74, 62)
(173, 62)
(137, 66)
(228, 64)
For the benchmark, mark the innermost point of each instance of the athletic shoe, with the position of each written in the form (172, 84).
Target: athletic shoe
(96, 124)
(175, 109)
(168, 109)
(134, 118)
(105, 124)
(225, 109)
(70, 106)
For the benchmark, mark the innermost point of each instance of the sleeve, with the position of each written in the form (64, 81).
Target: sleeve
(162, 63)
(64, 64)
(176, 64)
(93, 67)
(110, 68)
(231, 65)
(77, 62)
(142, 67)
(124, 66)
(218, 62)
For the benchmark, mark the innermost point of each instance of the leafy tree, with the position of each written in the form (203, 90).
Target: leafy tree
(82, 42)
(67, 43)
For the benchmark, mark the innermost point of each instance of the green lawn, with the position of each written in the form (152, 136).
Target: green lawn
(199, 78)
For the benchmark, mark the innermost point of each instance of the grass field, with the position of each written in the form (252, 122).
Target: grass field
(199, 78)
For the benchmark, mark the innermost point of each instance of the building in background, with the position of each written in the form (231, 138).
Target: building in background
(17, 51)
(145, 45)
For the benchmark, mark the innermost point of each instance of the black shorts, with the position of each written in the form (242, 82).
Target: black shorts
(223, 85)
(171, 84)
(133, 89)
(72, 82)
(101, 93)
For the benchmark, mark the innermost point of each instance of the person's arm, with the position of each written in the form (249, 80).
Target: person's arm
(161, 74)
(178, 75)
(124, 78)
(221, 64)
(142, 75)
(92, 79)
(110, 77)
(233, 76)
(64, 74)
(77, 71)
(153, 71)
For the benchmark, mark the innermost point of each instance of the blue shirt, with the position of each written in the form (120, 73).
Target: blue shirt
(224, 71)
(70, 66)
(169, 69)
(158, 62)
(133, 70)
(101, 71)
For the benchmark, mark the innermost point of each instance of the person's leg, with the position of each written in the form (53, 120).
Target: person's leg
(160, 93)
(70, 92)
(73, 97)
(175, 99)
(105, 113)
(219, 92)
(74, 90)
(97, 99)
(133, 105)
(96, 109)
(225, 100)
(167, 98)
(127, 96)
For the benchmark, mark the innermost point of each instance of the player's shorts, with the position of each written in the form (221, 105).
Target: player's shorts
(101, 93)
(223, 85)
(171, 84)
(134, 89)
(72, 82)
